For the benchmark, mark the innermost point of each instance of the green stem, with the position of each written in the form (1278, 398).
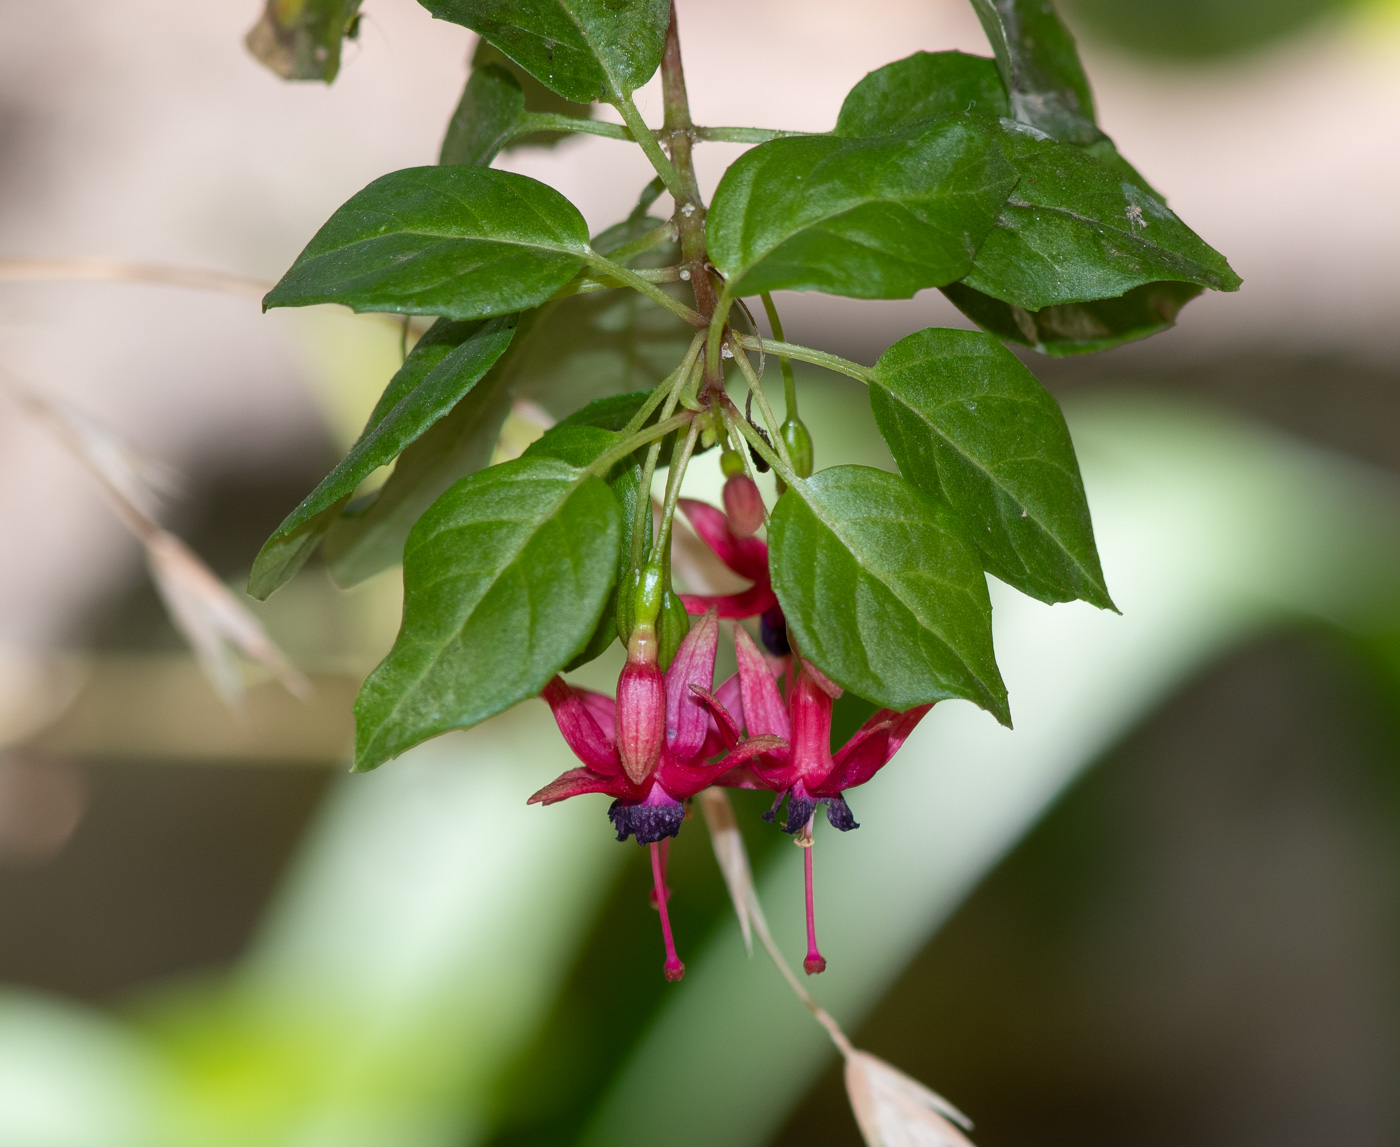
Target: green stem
(744, 134)
(587, 284)
(808, 354)
(644, 243)
(756, 388)
(639, 284)
(647, 141)
(610, 457)
(679, 461)
(667, 387)
(532, 122)
(643, 517)
(716, 333)
(785, 363)
(764, 451)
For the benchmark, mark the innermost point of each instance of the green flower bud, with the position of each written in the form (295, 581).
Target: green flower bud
(673, 626)
(799, 446)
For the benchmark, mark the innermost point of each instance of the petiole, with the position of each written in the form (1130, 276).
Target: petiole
(808, 354)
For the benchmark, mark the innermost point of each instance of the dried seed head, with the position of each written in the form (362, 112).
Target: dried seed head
(893, 1110)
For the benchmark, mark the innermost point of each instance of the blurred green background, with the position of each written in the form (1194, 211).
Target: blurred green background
(1163, 911)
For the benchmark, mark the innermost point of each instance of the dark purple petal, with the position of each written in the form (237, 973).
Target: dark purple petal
(649, 820)
(772, 628)
(838, 812)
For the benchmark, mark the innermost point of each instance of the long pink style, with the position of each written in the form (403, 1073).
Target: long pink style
(674, 968)
(815, 961)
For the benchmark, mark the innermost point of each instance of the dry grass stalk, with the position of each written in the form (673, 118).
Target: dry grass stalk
(891, 1109)
(15, 268)
(204, 610)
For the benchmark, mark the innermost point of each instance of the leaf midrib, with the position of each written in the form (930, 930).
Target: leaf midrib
(855, 557)
(1034, 517)
(498, 572)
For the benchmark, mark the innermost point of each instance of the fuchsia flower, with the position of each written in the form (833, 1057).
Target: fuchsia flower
(747, 557)
(648, 750)
(804, 771)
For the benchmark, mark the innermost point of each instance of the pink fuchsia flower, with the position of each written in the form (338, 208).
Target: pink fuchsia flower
(746, 556)
(647, 749)
(805, 771)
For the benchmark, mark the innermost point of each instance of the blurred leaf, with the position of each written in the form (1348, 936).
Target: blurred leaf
(926, 85)
(1040, 68)
(460, 242)
(871, 219)
(1201, 28)
(583, 49)
(969, 424)
(882, 592)
(1072, 232)
(488, 115)
(447, 362)
(301, 39)
(1077, 328)
(505, 578)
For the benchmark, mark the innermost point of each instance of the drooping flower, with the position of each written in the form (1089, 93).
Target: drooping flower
(746, 556)
(805, 772)
(648, 749)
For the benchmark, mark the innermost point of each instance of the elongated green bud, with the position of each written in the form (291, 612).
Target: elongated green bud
(799, 446)
(672, 627)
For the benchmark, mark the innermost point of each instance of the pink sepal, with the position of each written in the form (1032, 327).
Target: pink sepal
(575, 716)
(733, 606)
(747, 557)
(574, 783)
(765, 712)
(693, 667)
(725, 728)
(871, 749)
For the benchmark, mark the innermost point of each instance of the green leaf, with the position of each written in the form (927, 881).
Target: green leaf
(505, 578)
(583, 49)
(301, 39)
(488, 116)
(447, 362)
(926, 85)
(1040, 67)
(882, 593)
(370, 537)
(1072, 231)
(871, 219)
(577, 445)
(969, 424)
(461, 242)
(1077, 328)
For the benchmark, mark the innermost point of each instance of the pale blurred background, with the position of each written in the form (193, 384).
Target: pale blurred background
(1198, 943)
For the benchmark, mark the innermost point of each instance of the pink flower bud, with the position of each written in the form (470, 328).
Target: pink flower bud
(641, 717)
(744, 505)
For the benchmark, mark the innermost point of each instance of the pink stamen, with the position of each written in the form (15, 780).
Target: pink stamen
(674, 968)
(815, 962)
